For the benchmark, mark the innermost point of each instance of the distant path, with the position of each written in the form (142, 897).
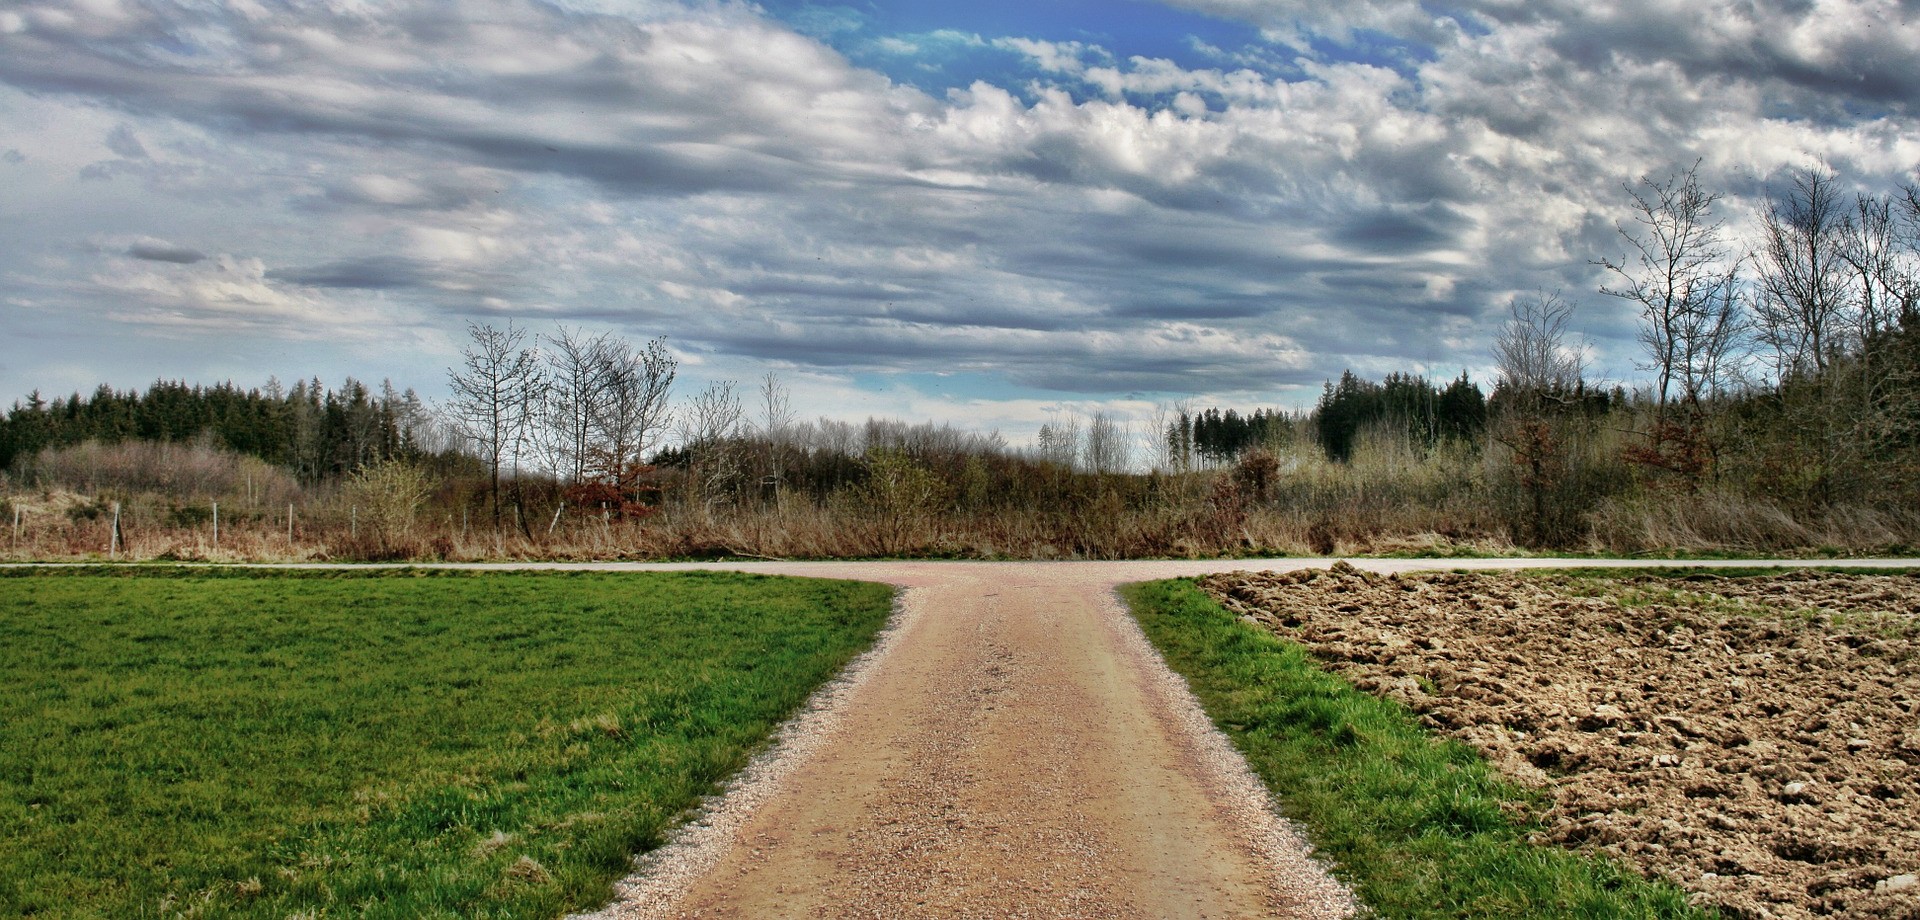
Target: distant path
(1012, 748)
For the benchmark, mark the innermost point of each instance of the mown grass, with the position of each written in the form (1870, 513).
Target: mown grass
(471, 745)
(1419, 826)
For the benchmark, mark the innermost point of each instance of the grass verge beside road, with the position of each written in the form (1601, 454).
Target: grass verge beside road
(216, 744)
(1418, 826)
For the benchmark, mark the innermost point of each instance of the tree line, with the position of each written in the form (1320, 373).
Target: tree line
(313, 430)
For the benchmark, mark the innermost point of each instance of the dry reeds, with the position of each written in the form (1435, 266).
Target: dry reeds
(1392, 495)
(1717, 522)
(1356, 525)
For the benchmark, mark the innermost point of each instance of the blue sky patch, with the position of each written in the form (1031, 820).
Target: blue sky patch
(937, 47)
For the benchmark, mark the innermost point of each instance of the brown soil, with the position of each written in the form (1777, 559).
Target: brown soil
(1756, 740)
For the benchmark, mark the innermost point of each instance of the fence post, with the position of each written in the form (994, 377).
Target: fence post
(16, 526)
(556, 518)
(289, 524)
(353, 522)
(113, 536)
(216, 525)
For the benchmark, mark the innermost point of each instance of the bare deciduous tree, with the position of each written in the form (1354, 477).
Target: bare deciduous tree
(1838, 286)
(1881, 246)
(1106, 449)
(776, 407)
(713, 415)
(495, 391)
(1531, 352)
(1685, 282)
(707, 427)
(1804, 298)
(776, 433)
(1872, 248)
(1538, 370)
(833, 437)
(1058, 442)
(576, 391)
(633, 411)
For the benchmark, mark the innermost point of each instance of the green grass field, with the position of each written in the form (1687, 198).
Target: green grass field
(225, 744)
(1420, 827)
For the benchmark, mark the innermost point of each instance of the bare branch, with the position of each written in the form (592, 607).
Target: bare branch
(1686, 283)
(495, 392)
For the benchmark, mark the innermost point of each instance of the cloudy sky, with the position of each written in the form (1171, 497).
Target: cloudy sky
(981, 212)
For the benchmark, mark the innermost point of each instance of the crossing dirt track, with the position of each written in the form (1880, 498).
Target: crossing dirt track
(1011, 748)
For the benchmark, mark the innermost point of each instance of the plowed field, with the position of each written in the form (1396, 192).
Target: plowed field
(1756, 740)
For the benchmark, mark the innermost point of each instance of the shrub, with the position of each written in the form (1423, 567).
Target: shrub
(388, 495)
(899, 493)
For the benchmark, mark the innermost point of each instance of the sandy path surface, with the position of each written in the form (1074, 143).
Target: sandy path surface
(1012, 749)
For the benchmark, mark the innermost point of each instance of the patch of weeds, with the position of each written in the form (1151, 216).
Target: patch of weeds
(1877, 623)
(189, 516)
(90, 511)
(1640, 597)
(1707, 592)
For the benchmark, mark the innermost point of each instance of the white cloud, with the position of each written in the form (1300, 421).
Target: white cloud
(1055, 57)
(1122, 224)
(228, 296)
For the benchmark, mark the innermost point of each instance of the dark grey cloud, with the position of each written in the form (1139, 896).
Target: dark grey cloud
(636, 169)
(1171, 250)
(823, 287)
(1085, 365)
(1179, 302)
(121, 140)
(1096, 379)
(1829, 53)
(162, 251)
(104, 170)
(961, 310)
(426, 192)
(1402, 230)
(368, 273)
(661, 135)
(1860, 51)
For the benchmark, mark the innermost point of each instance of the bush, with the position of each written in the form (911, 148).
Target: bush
(195, 470)
(387, 495)
(899, 494)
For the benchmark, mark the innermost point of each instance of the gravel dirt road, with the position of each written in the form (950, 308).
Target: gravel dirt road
(1011, 748)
